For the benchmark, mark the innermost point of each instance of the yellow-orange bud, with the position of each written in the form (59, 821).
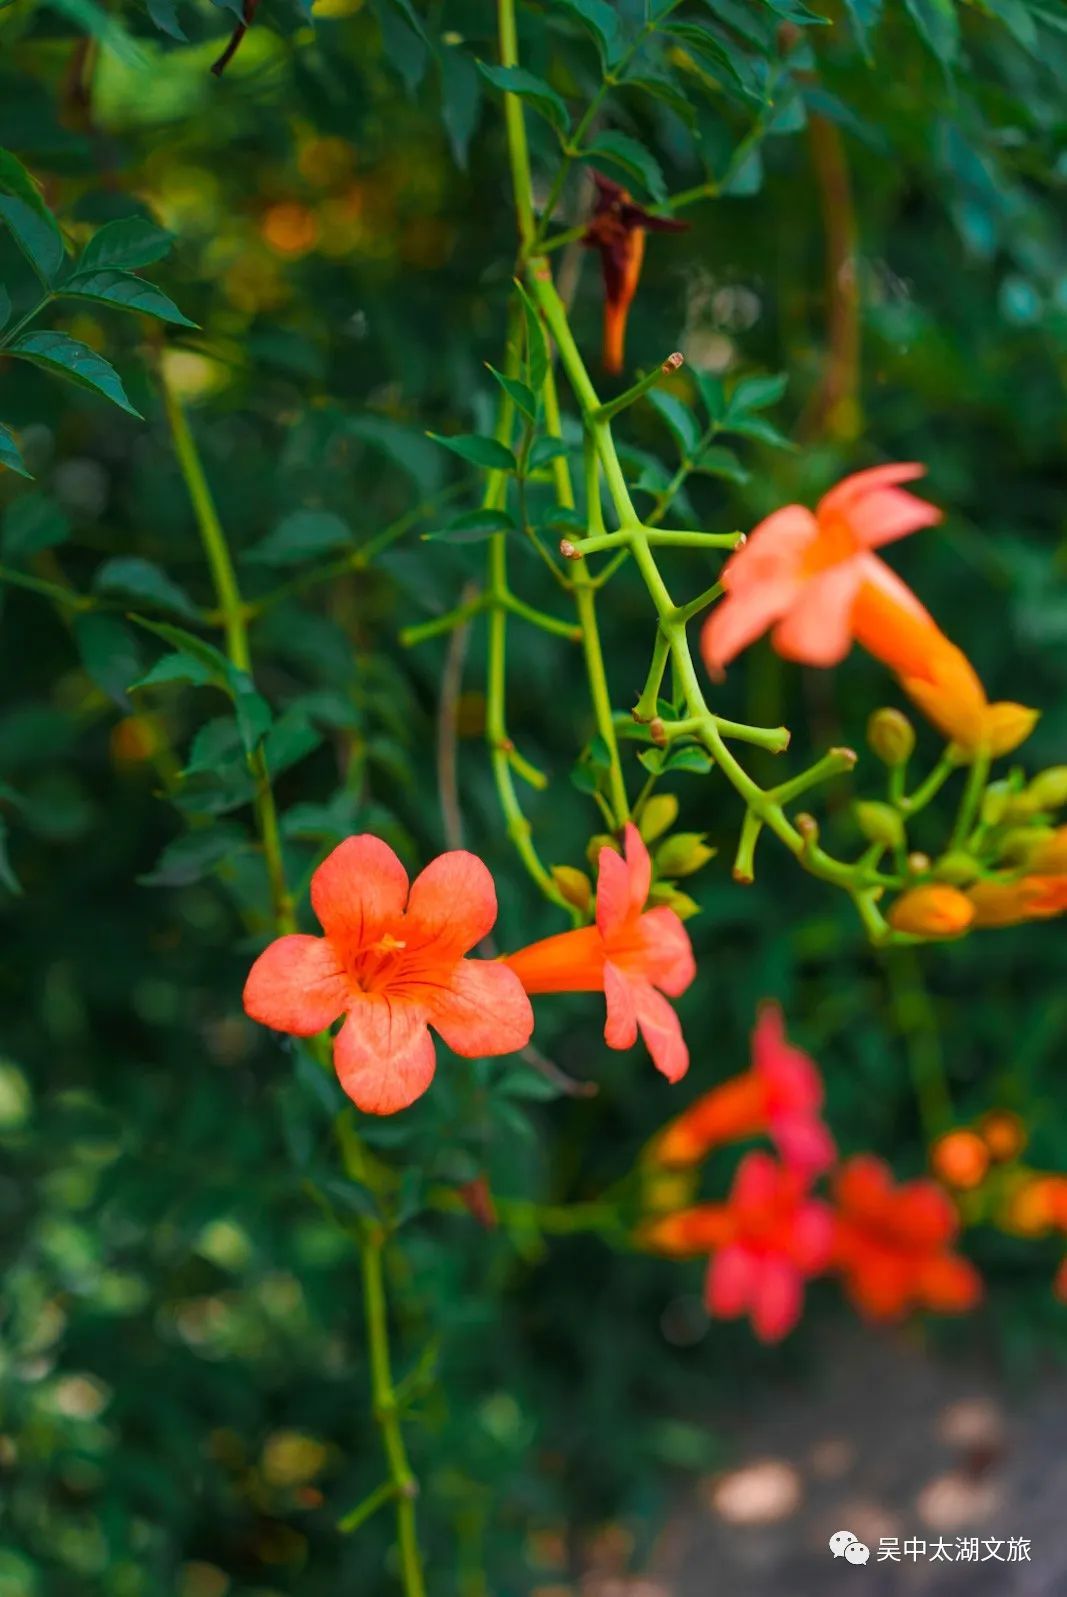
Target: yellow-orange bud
(1003, 1134)
(960, 1159)
(933, 910)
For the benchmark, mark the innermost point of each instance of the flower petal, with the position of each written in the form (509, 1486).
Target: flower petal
(777, 1299)
(804, 1142)
(876, 510)
(791, 1075)
(483, 1010)
(843, 497)
(742, 617)
(818, 628)
(731, 1281)
(453, 903)
(359, 890)
(620, 1026)
(661, 1030)
(666, 952)
(772, 550)
(384, 1055)
(296, 985)
(623, 881)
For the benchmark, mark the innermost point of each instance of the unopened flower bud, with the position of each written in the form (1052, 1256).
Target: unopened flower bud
(574, 885)
(1048, 790)
(601, 840)
(995, 801)
(681, 903)
(933, 910)
(957, 867)
(891, 736)
(683, 854)
(1003, 1133)
(658, 815)
(918, 864)
(879, 823)
(960, 1159)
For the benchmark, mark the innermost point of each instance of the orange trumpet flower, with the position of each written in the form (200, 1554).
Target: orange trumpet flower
(617, 230)
(781, 1095)
(392, 962)
(814, 578)
(631, 954)
(894, 1244)
(767, 1239)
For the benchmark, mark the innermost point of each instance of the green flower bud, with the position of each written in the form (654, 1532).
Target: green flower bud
(995, 802)
(601, 840)
(957, 867)
(658, 815)
(891, 736)
(683, 854)
(1017, 845)
(879, 823)
(681, 903)
(1048, 790)
(575, 886)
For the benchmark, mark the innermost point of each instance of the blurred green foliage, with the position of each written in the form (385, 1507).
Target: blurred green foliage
(183, 1382)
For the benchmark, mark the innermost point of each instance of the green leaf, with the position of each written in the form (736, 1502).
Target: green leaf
(720, 462)
(302, 535)
(540, 95)
(11, 454)
(758, 427)
(128, 243)
(8, 878)
(5, 306)
(517, 391)
(544, 451)
(141, 580)
(126, 292)
(939, 26)
(679, 418)
(177, 667)
(473, 526)
(195, 855)
(864, 16)
(109, 654)
(711, 392)
(602, 21)
(16, 180)
(632, 157)
(253, 712)
(107, 30)
(793, 11)
(31, 523)
(290, 740)
(36, 234)
(164, 14)
(756, 393)
(536, 345)
(66, 357)
(479, 450)
(461, 100)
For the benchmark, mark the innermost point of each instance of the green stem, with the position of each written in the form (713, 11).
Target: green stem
(917, 1019)
(975, 786)
(518, 150)
(235, 629)
(403, 1482)
(930, 788)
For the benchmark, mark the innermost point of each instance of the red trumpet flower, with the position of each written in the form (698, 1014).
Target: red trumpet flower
(617, 229)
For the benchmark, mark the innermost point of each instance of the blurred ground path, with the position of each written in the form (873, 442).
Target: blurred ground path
(887, 1442)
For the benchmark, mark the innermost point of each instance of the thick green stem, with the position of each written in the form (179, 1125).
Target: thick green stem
(235, 629)
(404, 1484)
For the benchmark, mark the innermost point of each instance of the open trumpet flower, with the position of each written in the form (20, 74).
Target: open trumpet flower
(392, 962)
(814, 580)
(781, 1095)
(631, 954)
(617, 231)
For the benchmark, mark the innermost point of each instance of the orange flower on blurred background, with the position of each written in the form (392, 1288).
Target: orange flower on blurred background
(1003, 902)
(617, 231)
(780, 1095)
(766, 1240)
(392, 963)
(632, 955)
(893, 1244)
(813, 577)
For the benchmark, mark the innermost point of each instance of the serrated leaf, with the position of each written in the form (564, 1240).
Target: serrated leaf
(126, 292)
(938, 25)
(109, 653)
(720, 462)
(517, 391)
(36, 234)
(679, 418)
(302, 535)
(756, 393)
(534, 90)
(536, 344)
(195, 855)
(602, 21)
(11, 454)
(31, 523)
(488, 453)
(129, 243)
(473, 526)
(66, 357)
(632, 156)
(140, 579)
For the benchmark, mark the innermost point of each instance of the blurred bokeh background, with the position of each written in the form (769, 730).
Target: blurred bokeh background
(183, 1382)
